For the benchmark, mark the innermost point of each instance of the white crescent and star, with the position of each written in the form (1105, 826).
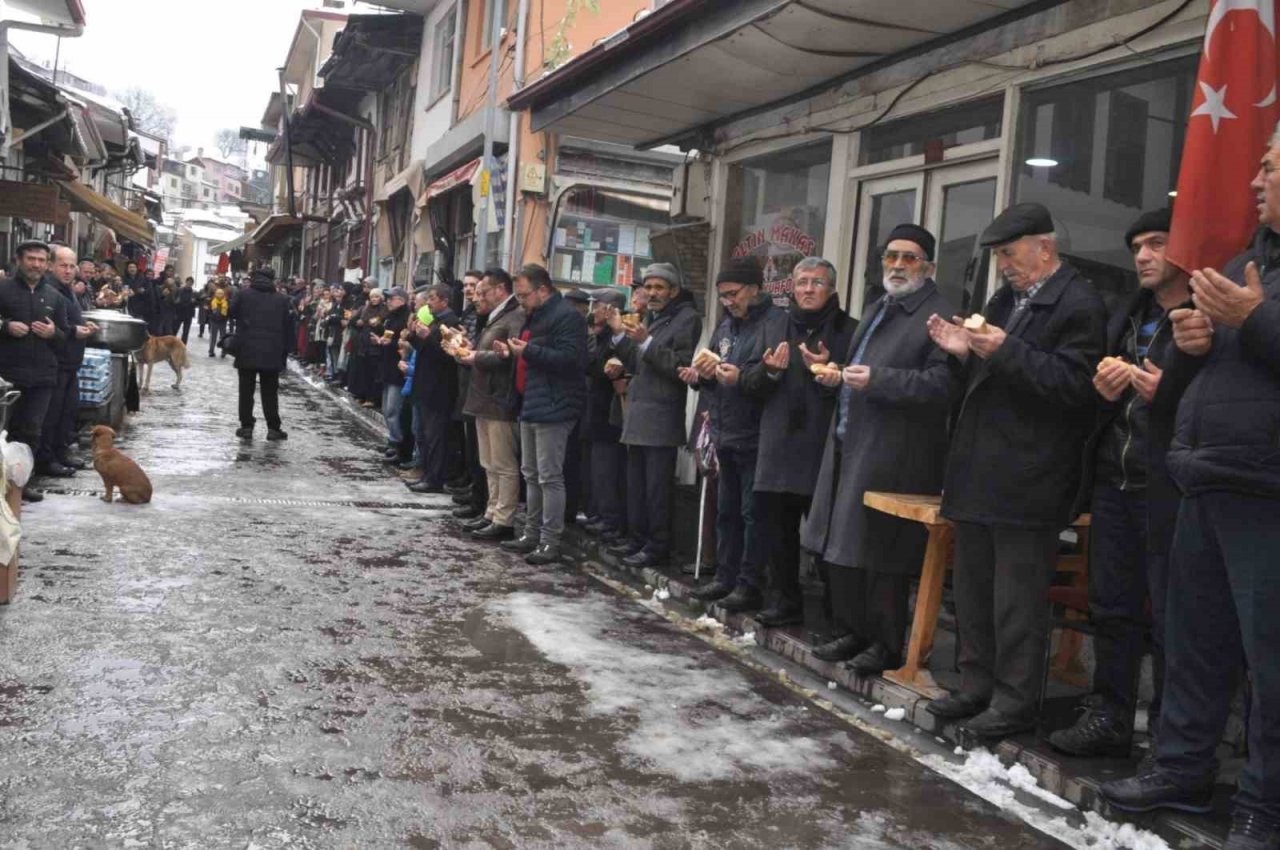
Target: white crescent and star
(1214, 106)
(1215, 100)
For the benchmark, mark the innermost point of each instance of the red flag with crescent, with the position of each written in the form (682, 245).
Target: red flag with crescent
(1233, 114)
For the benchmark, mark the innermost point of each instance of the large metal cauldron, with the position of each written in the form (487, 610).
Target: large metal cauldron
(117, 332)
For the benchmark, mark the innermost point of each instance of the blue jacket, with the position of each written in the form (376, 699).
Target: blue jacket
(735, 412)
(555, 360)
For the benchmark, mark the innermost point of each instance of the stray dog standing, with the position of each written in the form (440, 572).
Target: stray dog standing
(159, 349)
(118, 470)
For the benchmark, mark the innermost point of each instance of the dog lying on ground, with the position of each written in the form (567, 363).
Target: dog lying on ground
(118, 470)
(159, 349)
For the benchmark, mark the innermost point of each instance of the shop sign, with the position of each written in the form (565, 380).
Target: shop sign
(34, 201)
(779, 245)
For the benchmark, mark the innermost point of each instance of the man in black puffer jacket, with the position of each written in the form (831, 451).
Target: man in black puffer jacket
(1223, 588)
(263, 333)
(739, 341)
(552, 348)
(59, 428)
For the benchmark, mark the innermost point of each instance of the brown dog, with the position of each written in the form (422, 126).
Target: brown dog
(159, 349)
(118, 470)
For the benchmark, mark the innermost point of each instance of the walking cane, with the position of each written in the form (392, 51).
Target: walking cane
(702, 513)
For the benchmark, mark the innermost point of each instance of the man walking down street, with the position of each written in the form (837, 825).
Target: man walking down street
(491, 399)
(60, 421)
(33, 324)
(1014, 465)
(653, 420)
(889, 433)
(1223, 591)
(552, 354)
(739, 342)
(793, 427)
(435, 388)
(263, 334)
(1134, 501)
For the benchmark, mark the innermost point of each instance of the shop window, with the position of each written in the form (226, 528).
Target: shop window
(946, 128)
(1098, 152)
(602, 236)
(776, 211)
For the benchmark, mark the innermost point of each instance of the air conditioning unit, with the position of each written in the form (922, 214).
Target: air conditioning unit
(691, 190)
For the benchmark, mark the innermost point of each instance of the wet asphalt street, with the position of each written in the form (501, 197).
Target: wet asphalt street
(288, 649)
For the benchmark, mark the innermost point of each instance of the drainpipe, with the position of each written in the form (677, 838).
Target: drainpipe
(371, 137)
(490, 115)
(510, 250)
(74, 31)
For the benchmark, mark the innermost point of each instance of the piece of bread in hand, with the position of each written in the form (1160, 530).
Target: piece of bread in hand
(821, 369)
(706, 357)
(613, 361)
(976, 323)
(1108, 360)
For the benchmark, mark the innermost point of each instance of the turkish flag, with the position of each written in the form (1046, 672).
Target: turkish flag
(1233, 114)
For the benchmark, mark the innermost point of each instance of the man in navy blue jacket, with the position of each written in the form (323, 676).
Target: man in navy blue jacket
(552, 352)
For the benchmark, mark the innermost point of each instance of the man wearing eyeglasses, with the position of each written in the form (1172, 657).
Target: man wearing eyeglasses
(889, 433)
(1013, 469)
(739, 342)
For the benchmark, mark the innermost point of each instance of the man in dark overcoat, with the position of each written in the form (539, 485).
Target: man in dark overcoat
(264, 326)
(1013, 467)
(889, 433)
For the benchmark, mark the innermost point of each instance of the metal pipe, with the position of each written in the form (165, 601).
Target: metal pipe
(486, 160)
(66, 113)
(510, 250)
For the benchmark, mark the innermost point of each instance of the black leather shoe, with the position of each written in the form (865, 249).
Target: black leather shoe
(466, 512)
(710, 592)
(458, 485)
(1101, 731)
(244, 433)
(475, 524)
(1252, 831)
(1156, 790)
(840, 649)
(276, 434)
(625, 549)
(521, 545)
(53, 469)
(32, 496)
(464, 499)
(613, 535)
(692, 569)
(744, 598)
(957, 706)
(424, 487)
(73, 461)
(772, 618)
(995, 725)
(643, 559)
(494, 533)
(407, 465)
(543, 555)
(874, 660)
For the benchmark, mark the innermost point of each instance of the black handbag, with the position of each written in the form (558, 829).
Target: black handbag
(230, 344)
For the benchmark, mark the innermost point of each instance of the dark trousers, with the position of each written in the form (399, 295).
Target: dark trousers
(184, 328)
(471, 455)
(609, 482)
(1224, 595)
(780, 515)
(739, 553)
(1123, 575)
(432, 431)
(869, 604)
(59, 417)
(1002, 577)
(651, 481)
(270, 397)
(217, 330)
(26, 422)
(573, 493)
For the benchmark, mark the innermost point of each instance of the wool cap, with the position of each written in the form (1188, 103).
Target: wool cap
(1151, 221)
(743, 270)
(917, 234)
(1019, 220)
(663, 271)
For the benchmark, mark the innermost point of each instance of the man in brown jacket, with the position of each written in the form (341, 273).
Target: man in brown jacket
(491, 400)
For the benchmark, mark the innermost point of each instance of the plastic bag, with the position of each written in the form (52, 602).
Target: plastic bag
(18, 461)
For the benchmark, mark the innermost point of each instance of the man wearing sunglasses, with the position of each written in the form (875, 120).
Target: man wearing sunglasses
(739, 341)
(889, 433)
(1013, 469)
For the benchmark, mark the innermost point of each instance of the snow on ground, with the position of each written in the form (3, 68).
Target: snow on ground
(895, 714)
(984, 774)
(691, 722)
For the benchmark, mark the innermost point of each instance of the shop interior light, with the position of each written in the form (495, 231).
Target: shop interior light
(1173, 193)
(1041, 162)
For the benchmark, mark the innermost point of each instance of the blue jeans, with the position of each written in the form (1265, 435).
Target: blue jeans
(392, 404)
(739, 554)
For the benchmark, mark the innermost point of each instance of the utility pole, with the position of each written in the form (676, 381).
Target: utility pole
(486, 161)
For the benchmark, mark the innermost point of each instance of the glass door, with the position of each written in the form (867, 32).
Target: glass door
(883, 204)
(961, 203)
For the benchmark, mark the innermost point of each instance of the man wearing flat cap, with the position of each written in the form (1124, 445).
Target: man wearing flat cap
(1133, 500)
(1013, 467)
(653, 421)
(889, 433)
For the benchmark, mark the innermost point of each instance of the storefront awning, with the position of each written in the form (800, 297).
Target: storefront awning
(322, 130)
(274, 229)
(124, 222)
(372, 50)
(235, 244)
(691, 66)
(411, 179)
(461, 176)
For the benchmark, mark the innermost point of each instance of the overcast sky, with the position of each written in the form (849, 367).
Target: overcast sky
(213, 62)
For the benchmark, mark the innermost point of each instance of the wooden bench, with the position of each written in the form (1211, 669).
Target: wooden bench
(924, 509)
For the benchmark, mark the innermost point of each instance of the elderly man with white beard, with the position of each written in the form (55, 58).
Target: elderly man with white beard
(889, 432)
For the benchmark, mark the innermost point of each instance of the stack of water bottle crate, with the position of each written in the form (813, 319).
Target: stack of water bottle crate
(95, 377)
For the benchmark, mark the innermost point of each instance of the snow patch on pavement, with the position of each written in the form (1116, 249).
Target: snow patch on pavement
(984, 774)
(691, 722)
(895, 714)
